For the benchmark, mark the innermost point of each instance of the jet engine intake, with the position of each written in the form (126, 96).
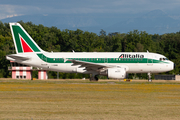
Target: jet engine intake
(116, 73)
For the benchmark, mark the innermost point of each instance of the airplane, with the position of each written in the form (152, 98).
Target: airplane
(115, 65)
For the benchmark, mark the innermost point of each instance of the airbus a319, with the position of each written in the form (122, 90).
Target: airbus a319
(111, 64)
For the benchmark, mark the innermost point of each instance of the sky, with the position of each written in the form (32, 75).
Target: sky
(10, 8)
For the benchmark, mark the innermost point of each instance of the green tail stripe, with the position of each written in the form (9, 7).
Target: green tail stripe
(17, 30)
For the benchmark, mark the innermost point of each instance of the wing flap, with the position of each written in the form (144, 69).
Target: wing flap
(89, 65)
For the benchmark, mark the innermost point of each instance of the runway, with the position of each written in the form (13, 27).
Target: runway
(81, 99)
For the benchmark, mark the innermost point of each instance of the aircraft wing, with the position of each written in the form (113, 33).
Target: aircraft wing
(17, 57)
(89, 65)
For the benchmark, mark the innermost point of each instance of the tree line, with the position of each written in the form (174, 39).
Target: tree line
(54, 39)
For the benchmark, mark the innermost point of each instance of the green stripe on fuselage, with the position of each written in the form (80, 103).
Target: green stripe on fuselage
(100, 60)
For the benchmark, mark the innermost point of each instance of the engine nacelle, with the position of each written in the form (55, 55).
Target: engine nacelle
(117, 73)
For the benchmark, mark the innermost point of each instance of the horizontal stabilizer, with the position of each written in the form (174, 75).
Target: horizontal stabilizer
(17, 57)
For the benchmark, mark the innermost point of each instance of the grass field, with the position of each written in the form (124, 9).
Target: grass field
(81, 99)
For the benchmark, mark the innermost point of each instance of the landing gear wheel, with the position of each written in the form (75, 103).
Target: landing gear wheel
(94, 78)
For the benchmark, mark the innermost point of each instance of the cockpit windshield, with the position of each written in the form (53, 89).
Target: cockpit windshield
(163, 59)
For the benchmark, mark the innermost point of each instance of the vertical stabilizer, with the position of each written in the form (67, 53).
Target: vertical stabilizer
(22, 40)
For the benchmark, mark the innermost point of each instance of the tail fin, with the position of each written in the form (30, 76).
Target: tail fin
(22, 40)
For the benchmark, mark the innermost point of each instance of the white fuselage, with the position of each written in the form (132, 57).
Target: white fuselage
(150, 63)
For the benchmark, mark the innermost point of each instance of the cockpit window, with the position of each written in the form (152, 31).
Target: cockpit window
(162, 59)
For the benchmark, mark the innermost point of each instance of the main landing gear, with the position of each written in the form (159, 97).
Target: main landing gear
(149, 77)
(94, 78)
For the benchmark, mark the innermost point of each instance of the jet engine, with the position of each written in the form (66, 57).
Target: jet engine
(117, 73)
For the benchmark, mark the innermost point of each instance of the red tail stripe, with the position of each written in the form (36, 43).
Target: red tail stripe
(25, 47)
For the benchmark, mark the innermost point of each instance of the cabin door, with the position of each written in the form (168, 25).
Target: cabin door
(44, 61)
(150, 60)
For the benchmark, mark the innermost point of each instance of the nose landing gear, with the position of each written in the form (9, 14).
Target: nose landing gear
(149, 77)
